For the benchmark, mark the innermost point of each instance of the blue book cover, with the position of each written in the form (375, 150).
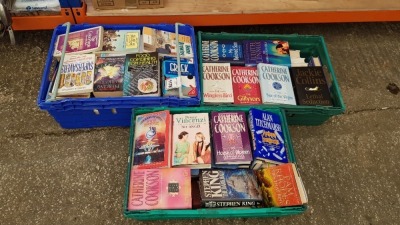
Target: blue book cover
(268, 138)
(223, 51)
(269, 51)
(171, 80)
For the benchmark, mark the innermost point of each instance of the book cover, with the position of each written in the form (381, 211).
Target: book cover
(164, 42)
(108, 76)
(152, 140)
(275, 84)
(121, 41)
(222, 51)
(160, 189)
(217, 83)
(191, 140)
(83, 41)
(281, 186)
(311, 86)
(77, 73)
(187, 81)
(230, 138)
(267, 136)
(142, 75)
(229, 188)
(246, 86)
(266, 51)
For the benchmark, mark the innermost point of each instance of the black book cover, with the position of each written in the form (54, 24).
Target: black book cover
(310, 86)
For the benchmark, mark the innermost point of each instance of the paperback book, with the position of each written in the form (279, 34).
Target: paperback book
(164, 42)
(311, 86)
(142, 75)
(222, 51)
(217, 83)
(229, 188)
(76, 76)
(191, 141)
(268, 139)
(246, 85)
(123, 41)
(275, 84)
(109, 75)
(230, 138)
(281, 186)
(160, 189)
(152, 140)
(82, 41)
(266, 51)
(187, 81)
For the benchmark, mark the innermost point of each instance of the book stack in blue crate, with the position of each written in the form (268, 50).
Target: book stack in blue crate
(209, 128)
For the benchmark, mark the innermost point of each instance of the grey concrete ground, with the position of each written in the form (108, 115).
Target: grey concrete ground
(350, 164)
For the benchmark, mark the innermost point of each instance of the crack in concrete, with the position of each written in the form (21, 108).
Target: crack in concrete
(70, 133)
(371, 110)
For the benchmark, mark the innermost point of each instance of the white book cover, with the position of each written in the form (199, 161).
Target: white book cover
(275, 84)
(217, 83)
(77, 73)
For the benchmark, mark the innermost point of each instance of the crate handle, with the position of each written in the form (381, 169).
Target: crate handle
(96, 111)
(114, 111)
(57, 80)
(178, 59)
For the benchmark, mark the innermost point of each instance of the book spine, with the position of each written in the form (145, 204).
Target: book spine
(230, 203)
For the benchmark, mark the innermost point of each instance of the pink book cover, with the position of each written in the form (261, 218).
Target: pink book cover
(83, 41)
(160, 189)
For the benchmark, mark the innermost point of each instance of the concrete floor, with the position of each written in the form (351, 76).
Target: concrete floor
(350, 164)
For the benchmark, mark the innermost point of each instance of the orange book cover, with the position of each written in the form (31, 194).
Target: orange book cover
(152, 144)
(279, 186)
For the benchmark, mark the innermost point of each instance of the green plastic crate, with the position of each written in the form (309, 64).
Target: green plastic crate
(309, 45)
(208, 213)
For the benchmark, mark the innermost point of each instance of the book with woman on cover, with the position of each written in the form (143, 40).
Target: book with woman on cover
(191, 141)
(152, 140)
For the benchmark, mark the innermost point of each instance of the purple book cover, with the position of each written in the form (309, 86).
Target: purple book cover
(231, 138)
(83, 41)
(253, 52)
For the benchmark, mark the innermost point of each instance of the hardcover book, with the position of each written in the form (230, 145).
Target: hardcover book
(275, 84)
(266, 51)
(229, 188)
(267, 136)
(109, 75)
(311, 86)
(121, 41)
(191, 141)
(164, 42)
(187, 81)
(160, 189)
(217, 83)
(142, 75)
(152, 140)
(246, 86)
(82, 41)
(281, 186)
(230, 138)
(76, 76)
(222, 51)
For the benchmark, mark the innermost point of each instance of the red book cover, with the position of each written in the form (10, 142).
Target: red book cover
(152, 140)
(246, 87)
(281, 186)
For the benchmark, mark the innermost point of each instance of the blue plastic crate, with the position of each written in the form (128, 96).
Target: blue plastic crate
(115, 111)
(70, 3)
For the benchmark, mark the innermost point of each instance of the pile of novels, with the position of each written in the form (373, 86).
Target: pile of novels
(115, 63)
(253, 72)
(212, 160)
